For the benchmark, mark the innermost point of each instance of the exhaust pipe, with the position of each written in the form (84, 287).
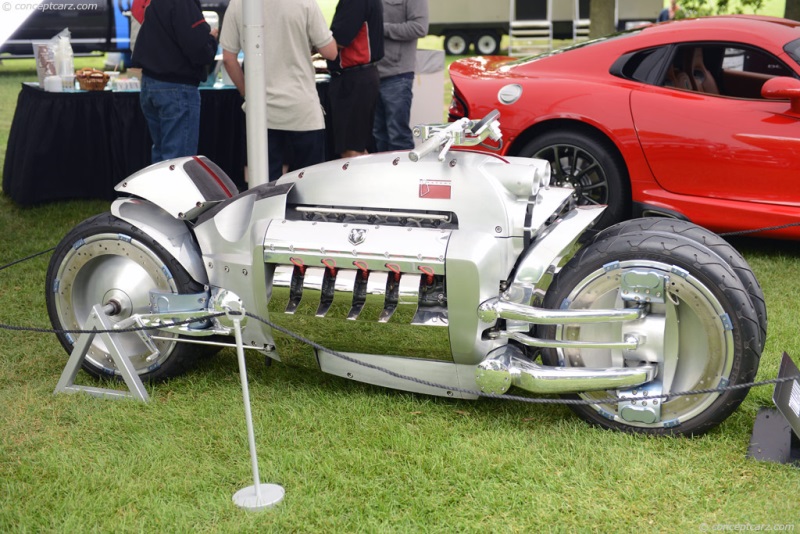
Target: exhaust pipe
(496, 308)
(508, 366)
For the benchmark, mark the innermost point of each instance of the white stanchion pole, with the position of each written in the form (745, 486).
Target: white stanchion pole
(258, 496)
(255, 82)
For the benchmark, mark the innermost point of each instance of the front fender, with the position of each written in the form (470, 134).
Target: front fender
(166, 230)
(547, 252)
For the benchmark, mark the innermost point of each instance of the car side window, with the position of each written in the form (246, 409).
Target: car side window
(731, 70)
(642, 66)
(644, 63)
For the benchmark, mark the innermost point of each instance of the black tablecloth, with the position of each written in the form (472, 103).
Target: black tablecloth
(80, 145)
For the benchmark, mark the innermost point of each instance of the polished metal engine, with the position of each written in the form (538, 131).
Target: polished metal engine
(365, 284)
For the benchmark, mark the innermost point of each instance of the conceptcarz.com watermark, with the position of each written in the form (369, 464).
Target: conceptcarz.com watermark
(48, 6)
(747, 527)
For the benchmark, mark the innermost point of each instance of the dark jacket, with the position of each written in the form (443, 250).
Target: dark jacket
(174, 43)
(358, 27)
(404, 21)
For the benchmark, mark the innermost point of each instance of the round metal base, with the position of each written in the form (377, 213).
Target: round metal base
(270, 495)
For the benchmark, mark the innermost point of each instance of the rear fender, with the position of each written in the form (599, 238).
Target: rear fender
(183, 187)
(166, 230)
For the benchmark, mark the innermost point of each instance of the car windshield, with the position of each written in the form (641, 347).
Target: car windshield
(613, 36)
(793, 50)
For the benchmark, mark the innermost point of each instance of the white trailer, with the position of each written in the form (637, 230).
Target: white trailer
(482, 23)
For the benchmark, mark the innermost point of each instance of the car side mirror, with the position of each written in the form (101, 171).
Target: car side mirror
(783, 88)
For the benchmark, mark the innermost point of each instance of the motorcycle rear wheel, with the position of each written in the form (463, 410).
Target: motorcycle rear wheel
(105, 258)
(708, 315)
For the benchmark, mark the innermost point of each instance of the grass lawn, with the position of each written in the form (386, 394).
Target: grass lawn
(352, 457)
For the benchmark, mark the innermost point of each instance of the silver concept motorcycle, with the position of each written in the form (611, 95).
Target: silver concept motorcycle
(440, 270)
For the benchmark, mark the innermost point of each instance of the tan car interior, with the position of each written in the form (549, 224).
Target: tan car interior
(701, 77)
(690, 71)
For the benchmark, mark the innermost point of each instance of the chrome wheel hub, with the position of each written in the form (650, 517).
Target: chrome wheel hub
(686, 333)
(111, 268)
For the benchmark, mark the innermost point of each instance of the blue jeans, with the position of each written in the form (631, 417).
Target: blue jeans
(393, 113)
(172, 111)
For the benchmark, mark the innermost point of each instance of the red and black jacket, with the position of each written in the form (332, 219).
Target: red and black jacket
(358, 27)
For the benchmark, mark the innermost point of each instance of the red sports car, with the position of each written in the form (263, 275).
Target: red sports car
(697, 119)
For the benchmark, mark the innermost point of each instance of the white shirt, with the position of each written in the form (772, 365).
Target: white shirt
(292, 29)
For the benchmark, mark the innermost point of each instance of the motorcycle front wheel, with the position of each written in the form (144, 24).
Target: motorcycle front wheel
(106, 259)
(708, 326)
(714, 242)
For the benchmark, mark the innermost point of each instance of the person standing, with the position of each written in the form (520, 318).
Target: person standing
(174, 48)
(404, 21)
(353, 93)
(295, 122)
(669, 13)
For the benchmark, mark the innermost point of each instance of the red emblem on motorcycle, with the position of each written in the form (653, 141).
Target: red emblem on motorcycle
(434, 189)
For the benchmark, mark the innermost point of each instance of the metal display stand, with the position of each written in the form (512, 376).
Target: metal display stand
(258, 496)
(253, 498)
(98, 320)
(776, 431)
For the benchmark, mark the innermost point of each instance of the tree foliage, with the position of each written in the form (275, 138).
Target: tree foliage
(702, 8)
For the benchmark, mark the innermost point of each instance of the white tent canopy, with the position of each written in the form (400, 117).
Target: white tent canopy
(13, 15)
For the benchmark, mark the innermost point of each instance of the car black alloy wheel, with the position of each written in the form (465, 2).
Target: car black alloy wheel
(589, 166)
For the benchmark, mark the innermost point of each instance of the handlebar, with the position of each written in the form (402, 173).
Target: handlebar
(436, 138)
(425, 148)
(464, 132)
(479, 127)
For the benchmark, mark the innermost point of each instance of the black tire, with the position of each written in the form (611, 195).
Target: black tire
(588, 164)
(107, 258)
(456, 44)
(709, 239)
(487, 44)
(712, 320)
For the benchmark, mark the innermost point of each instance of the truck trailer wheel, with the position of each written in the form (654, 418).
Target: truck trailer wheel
(487, 44)
(456, 44)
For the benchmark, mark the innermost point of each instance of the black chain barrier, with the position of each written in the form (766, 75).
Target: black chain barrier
(26, 258)
(394, 374)
(608, 400)
(758, 230)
